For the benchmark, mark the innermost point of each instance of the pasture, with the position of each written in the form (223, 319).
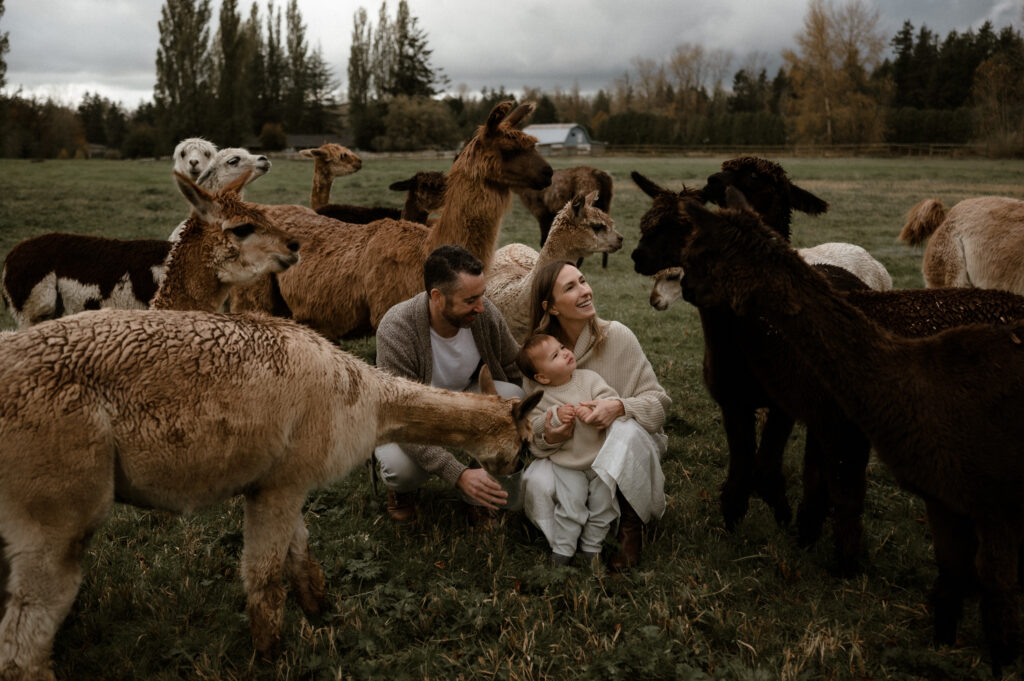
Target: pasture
(162, 597)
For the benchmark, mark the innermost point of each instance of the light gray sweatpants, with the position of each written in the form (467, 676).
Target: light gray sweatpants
(584, 511)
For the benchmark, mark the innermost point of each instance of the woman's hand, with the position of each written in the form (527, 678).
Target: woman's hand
(602, 412)
(554, 434)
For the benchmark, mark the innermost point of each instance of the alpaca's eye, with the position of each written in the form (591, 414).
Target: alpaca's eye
(234, 160)
(597, 227)
(207, 154)
(242, 231)
(182, 154)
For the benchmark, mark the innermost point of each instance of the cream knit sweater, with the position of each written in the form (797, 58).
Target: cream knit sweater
(580, 450)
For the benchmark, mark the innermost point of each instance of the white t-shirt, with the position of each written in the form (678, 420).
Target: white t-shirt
(455, 359)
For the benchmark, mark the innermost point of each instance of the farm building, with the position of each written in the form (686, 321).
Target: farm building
(563, 136)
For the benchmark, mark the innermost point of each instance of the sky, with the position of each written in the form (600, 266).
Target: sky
(63, 48)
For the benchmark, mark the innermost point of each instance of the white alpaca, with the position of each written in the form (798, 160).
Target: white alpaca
(578, 230)
(181, 410)
(192, 156)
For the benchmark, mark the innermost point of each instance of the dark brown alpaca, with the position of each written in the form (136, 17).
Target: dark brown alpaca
(836, 451)
(567, 183)
(942, 412)
(348, 278)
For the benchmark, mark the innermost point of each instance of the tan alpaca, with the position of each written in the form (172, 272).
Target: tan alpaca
(979, 242)
(329, 161)
(577, 231)
(180, 410)
(348, 278)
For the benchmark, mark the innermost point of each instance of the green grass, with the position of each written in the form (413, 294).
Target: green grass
(162, 596)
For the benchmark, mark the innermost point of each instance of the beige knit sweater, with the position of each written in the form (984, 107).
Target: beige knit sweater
(582, 448)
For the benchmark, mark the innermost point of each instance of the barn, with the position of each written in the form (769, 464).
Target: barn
(563, 137)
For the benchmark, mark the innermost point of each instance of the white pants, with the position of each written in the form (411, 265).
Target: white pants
(400, 473)
(584, 510)
(629, 461)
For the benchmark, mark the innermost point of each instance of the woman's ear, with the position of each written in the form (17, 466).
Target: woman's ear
(544, 306)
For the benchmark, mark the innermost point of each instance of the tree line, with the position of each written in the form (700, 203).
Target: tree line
(257, 79)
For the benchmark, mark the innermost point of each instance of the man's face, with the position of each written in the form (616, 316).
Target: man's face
(466, 301)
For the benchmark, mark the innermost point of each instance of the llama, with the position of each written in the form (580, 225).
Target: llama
(56, 274)
(227, 166)
(192, 156)
(545, 204)
(578, 230)
(837, 452)
(347, 279)
(182, 410)
(942, 412)
(977, 243)
(668, 283)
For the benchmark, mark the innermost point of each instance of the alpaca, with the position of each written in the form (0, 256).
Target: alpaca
(668, 283)
(942, 412)
(544, 204)
(329, 161)
(347, 279)
(578, 230)
(977, 243)
(227, 166)
(836, 453)
(58, 274)
(425, 195)
(192, 156)
(182, 410)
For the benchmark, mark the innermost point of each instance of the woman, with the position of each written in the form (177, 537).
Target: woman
(630, 459)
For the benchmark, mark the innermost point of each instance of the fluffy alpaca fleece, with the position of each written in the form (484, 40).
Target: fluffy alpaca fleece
(979, 242)
(181, 410)
(348, 278)
(545, 204)
(192, 156)
(942, 412)
(231, 243)
(578, 230)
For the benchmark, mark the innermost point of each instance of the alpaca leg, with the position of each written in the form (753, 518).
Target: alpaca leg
(814, 506)
(771, 483)
(304, 573)
(955, 547)
(269, 528)
(739, 482)
(847, 485)
(996, 565)
(43, 577)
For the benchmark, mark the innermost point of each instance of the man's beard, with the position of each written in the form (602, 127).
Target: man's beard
(458, 322)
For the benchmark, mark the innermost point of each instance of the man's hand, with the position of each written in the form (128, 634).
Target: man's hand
(555, 434)
(479, 486)
(603, 412)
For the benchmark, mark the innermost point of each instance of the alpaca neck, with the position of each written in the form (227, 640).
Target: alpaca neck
(320, 196)
(190, 282)
(563, 243)
(413, 412)
(471, 216)
(412, 211)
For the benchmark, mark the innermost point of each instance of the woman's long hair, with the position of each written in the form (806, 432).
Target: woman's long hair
(543, 291)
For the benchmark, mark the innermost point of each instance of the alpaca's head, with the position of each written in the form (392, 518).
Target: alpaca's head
(228, 165)
(425, 188)
(502, 155)
(767, 188)
(668, 288)
(192, 156)
(251, 245)
(333, 160)
(663, 228)
(581, 229)
(500, 452)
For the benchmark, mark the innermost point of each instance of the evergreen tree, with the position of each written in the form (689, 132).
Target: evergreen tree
(183, 93)
(231, 56)
(273, 68)
(412, 74)
(359, 63)
(5, 47)
(92, 114)
(320, 84)
(297, 75)
(257, 93)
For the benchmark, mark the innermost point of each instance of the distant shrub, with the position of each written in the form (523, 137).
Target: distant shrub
(414, 123)
(273, 137)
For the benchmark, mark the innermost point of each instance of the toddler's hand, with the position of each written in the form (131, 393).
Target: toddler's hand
(583, 412)
(566, 413)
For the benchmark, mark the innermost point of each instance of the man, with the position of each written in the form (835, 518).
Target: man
(442, 337)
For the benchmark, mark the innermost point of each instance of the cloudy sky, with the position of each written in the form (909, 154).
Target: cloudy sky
(63, 48)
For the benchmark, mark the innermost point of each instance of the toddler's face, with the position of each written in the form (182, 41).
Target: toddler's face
(554, 362)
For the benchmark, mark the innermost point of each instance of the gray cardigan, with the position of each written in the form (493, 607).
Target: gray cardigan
(403, 349)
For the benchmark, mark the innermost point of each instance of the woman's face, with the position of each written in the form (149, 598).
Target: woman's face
(573, 299)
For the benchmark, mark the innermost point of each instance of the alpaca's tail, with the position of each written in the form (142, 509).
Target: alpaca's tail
(922, 220)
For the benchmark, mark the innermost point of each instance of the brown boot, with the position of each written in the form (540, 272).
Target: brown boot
(631, 531)
(402, 506)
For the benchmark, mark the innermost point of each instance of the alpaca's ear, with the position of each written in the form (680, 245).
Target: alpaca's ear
(523, 409)
(203, 205)
(734, 198)
(235, 186)
(806, 202)
(697, 213)
(308, 153)
(486, 381)
(497, 115)
(579, 206)
(592, 198)
(402, 185)
(520, 112)
(647, 186)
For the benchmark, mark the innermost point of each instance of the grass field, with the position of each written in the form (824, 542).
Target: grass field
(162, 597)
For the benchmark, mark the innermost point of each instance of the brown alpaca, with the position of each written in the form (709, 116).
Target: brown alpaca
(347, 279)
(942, 412)
(979, 243)
(579, 229)
(182, 410)
(424, 195)
(329, 161)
